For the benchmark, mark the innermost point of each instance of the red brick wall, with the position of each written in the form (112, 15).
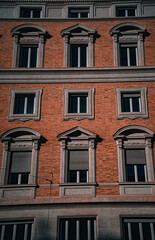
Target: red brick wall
(51, 124)
(54, 47)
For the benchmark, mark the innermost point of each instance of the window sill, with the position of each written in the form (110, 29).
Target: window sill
(132, 115)
(17, 190)
(77, 189)
(137, 188)
(24, 117)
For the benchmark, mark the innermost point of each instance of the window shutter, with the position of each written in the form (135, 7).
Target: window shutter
(135, 156)
(20, 162)
(78, 160)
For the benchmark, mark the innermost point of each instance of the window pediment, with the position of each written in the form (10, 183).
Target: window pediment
(78, 29)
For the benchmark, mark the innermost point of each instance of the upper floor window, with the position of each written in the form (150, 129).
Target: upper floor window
(78, 103)
(79, 46)
(125, 11)
(25, 104)
(26, 12)
(128, 44)
(78, 12)
(29, 42)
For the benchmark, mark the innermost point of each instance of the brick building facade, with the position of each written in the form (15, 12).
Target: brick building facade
(77, 120)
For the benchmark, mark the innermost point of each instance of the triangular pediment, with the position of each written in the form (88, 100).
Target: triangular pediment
(77, 132)
(78, 29)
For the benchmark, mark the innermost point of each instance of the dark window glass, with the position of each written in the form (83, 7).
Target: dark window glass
(72, 176)
(83, 104)
(131, 12)
(123, 56)
(8, 232)
(78, 54)
(36, 13)
(83, 176)
(62, 229)
(74, 56)
(135, 102)
(120, 12)
(29, 231)
(13, 178)
(84, 15)
(25, 13)
(22, 101)
(125, 104)
(83, 229)
(83, 56)
(30, 104)
(72, 104)
(146, 231)
(25, 178)
(72, 229)
(126, 231)
(130, 176)
(133, 61)
(23, 57)
(19, 104)
(20, 231)
(73, 15)
(141, 173)
(135, 231)
(33, 58)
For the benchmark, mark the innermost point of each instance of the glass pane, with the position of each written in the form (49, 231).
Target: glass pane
(20, 231)
(133, 61)
(30, 105)
(130, 176)
(83, 56)
(33, 58)
(131, 12)
(8, 232)
(120, 12)
(84, 15)
(73, 104)
(62, 229)
(83, 176)
(83, 229)
(123, 56)
(135, 104)
(25, 178)
(29, 231)
(19, 104)
(73, 15)
(146, 231)
(74, 56)
(125, 104)
(36, 13)
(25, 13)
(126, 236)
(23, 60)
(72, 176)
(83, 104)
(72, 229)
(141, 173)
(92, 229)
(13, 178)
(135, 231)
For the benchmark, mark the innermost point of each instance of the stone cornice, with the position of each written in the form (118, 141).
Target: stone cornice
(77, 75)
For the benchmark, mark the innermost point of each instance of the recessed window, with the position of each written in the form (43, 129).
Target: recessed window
(78, 12)
(79, 103)
(78, 165)
(78, 56)
(30, 13)
(77, 228)
(138, 228)
(25, 104)
(131, 102)
(28, 56)
(16, 230)
(125, 12)
(128, 55)
(135, 165)
(19, 169)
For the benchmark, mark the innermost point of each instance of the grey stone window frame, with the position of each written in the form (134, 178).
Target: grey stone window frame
(91, 105)
(126, 5)
(19, 139)
(132, 34)
(143, 100)
(77, 138)
(83, 35)
(66, 9)
(28, 35)
(30, 6)
(37, 104)
(135, 137)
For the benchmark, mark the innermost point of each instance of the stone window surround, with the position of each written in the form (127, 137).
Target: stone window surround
(141, 140)
(11, 142)
(37, 104)
(35, 36)
(135, 36)
(143, 97)
(79, 116)
(29, 6)
(76, 6)
(71, 37)
(86, 141)
(126, 5)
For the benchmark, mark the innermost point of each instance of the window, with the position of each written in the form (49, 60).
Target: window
(77, 171)
(128, 55)
(79, 46)
(77, 228)
(25, 104)
(28, 56)
(78, 56)
(125, 11)
(131, 102)
(29, 40)
(138, 228)
(16, 230)
(135, 159)
(30, 13)
(19, 165)
(79, 103)
(128, 44)
(78, 12)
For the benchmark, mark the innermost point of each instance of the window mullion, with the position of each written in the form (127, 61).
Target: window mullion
(139, 100)
(145, 172)
(79, 15)
(128, 56)
(31, 14)
(141, 231)
(3, 232)
(131, 104)
(152, 231)
(78, 104)
(26, 232)
(136, 56)
(126, 12)
(14, 232)
(87, 176)
(66, 230)
(25, 105)
(129, 231)
(95, 230)
(78, 176)
(79, 56)
(77, 230)
(19, 178)
(29, 57)
(136, 173)
(87, 104)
